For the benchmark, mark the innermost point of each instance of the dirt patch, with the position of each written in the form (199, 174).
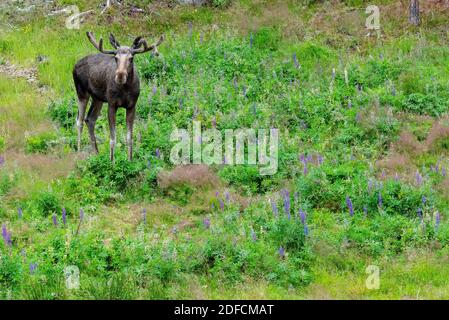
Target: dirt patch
(195, 175)
(29, 74)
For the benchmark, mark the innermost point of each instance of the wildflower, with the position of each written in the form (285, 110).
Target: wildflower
(244, 91)
(379, 200)
(149, 164)
(251, 40)
(180, 103)
(370, 185)
(302, 216)
(221, 204)
(227, 196)
(396, 177)
(33, 267)
(201, 38)
(304, 171)
(418, 178)
(154, 90)
(6, 235)
(254, 108)
(349, 104)
(365, 211)
(287, 203)
(64, 216)
(349, 205)
(144, 215)
(437, 220)
(206, 223)
(253, 235)
(158, 153)
(295, 61)
(282, 252)
(393, 90)
(320, 160)
(423, 200)
(420, 215)
(306, 229)
(443, 171)
(55, 220)
(2, 161)
(20, 212)
(274, 207)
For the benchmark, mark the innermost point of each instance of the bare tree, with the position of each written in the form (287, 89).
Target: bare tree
(414, 12)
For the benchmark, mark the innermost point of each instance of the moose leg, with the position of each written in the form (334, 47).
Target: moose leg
(130, 116)
(92, 116)
(112, 113)
(82, 104)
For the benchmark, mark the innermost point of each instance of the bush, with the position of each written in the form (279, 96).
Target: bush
(40, 143)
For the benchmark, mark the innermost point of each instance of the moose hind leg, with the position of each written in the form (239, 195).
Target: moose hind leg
(82, 104)
(92, 116)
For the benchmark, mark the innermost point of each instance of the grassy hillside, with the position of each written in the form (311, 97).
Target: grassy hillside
(362, 177)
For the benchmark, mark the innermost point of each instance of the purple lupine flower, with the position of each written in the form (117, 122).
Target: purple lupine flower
(383, 174)
(282, 252)
(33, 267)
(437, 220)
(304, 170)
(64, 216)
(2, 161)
(306, 229)
(206, 223)
(443, 171)
(302, 216)
(251, 40)
(227, 197)
(287, 203)
(20, 212)
(158, 153)
(423, 200)
(274, 207)
(393, 90)
(370, 185)
(244, 90)
(365, 210)
(154, 90)
(253, 235)
(144, 215)
(379, 199)
(320, 159)
(6, 235)
(396, 177)
(149, 164)
(221, 204)
(349, 205)
(180, 103)
(420, 215)
(349, 104)
(381, 56)
(55, 220)
(235, 84)
(295, 61)
(418, 178)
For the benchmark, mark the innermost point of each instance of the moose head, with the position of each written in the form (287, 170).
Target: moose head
(124, 55)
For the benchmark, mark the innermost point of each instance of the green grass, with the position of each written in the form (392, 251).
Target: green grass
(225, 80)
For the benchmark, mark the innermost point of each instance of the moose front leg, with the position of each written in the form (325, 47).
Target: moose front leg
(130, 116)
(112, 114)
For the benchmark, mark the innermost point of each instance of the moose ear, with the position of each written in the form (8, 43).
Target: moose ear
(113, 42)
(137, 43)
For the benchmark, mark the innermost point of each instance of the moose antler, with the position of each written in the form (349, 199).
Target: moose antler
(146, 48)
(99, 46)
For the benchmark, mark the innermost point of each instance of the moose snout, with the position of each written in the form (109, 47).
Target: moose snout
(120, 77)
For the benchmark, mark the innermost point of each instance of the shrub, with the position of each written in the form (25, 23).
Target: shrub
(40, 143)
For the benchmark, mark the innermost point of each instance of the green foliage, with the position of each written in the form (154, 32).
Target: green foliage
(40, 143)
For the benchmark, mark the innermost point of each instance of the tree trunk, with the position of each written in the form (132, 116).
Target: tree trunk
(414, 12)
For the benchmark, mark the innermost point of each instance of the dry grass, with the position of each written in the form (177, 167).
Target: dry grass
(197, 175)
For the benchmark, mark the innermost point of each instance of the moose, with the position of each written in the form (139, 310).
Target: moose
(109, 76)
